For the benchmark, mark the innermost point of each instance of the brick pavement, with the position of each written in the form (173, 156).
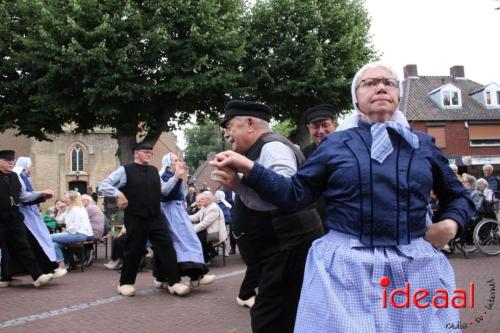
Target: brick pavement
(77, 298)
(87, 302)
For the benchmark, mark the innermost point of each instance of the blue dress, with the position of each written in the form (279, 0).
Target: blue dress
(186, 243)
(376, 216)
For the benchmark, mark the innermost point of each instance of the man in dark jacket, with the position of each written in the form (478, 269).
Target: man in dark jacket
(13, 239)
(320, 121)
(137, 189)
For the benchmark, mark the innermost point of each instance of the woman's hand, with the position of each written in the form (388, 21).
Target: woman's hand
(46, 194)
(231, 160)
(180, 170)
(439, 234)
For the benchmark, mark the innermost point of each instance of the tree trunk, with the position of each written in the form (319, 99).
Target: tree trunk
(300, 135)
(127, 135)
(126, 143)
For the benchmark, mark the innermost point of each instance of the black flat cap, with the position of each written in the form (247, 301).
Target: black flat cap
(142, 145)
(7, 155)
(320, 112)
(245, 108)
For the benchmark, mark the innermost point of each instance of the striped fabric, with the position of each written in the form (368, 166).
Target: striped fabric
(381, 143)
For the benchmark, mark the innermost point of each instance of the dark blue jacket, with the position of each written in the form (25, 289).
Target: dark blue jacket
(384, 204)
(177, 192)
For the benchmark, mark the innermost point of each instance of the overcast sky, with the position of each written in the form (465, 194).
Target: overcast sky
(438, 34)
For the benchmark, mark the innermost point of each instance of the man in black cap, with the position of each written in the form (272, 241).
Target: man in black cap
(275, 243)
(13, 239)
(320, 120)
(137, 189)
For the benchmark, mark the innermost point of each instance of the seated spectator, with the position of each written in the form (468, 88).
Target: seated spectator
(49, 218)
(486, 209)
(97, 221)
(210, 226)
(117, 251)
(96, 216)
(77, 227)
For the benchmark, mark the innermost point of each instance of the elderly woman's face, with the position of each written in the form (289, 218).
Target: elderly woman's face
(173, 161)
(202, 201)
(481, 186)
(377, 99)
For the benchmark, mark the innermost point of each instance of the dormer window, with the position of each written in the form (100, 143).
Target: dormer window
(451, 98)
(447, 96)
(492, 95)
(488, 95)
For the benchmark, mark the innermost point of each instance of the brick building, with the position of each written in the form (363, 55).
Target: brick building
(462, 115)
(76, 161)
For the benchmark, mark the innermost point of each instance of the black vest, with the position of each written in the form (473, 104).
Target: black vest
(10, 189)
(143, 190)
(264, 233)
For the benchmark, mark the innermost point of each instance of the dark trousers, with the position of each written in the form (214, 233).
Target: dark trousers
(139, 230)
(14, 242)
(117, 247)
(250, 282)
(207, 248)
(232, 239)
(280, 282)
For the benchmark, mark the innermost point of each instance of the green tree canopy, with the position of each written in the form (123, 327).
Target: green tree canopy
(200, 140)
(305, 52)
(130, 65)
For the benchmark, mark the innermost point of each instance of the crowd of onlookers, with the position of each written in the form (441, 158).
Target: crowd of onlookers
(485, 194)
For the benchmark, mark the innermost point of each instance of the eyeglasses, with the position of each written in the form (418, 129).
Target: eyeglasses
(147, 152)
(371, 83)
(325, 124)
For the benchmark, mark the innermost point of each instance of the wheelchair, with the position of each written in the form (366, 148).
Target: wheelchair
(481, 234)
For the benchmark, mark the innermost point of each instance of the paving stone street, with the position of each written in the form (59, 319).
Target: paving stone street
(87, 302)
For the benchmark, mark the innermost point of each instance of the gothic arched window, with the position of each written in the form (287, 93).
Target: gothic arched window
(77, 158)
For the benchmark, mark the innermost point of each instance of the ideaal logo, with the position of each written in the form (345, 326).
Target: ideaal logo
(440, 299)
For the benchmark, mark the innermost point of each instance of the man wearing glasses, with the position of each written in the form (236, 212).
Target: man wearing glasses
(137, 189)
(320, 121)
